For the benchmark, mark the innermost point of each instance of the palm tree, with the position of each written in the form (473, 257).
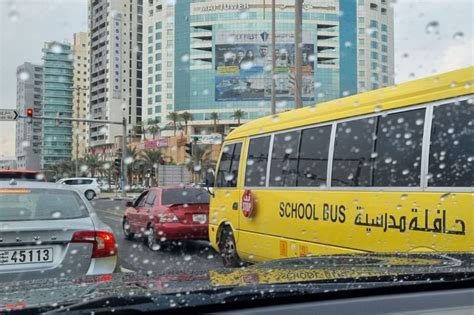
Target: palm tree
(200, 161)
(186, 116)
(152, 158)
(153, 130)
(238, 114)
(132, 157)
(215, 117)
(93, 163)
(174, 117)
(153, 127)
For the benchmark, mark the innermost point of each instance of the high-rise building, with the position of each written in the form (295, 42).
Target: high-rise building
(29, 85)
(205, 56)
(375, 48)
(57, 102)
(115, 38)
(80, 101)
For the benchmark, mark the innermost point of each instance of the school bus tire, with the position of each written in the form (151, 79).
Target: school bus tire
(228, 248)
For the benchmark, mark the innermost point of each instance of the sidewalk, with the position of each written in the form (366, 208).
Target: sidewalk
(117, 195)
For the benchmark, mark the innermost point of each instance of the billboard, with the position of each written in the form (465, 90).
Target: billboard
(243, 66)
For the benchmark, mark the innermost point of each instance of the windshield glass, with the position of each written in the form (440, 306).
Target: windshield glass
(227, 151)
(184, 196)
(40, 204)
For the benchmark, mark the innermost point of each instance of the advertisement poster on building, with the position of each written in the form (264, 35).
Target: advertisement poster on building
(243, 67)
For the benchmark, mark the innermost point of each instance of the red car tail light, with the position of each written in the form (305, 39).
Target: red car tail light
(104, 244)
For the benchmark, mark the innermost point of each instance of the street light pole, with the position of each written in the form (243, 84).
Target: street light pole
(273, 105)
(298, 52)
(78, 89)
(124, 156)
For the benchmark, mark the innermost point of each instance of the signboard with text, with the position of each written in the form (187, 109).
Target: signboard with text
(207, 139)
(8, 114)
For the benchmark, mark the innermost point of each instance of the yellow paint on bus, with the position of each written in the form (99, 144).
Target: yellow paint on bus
(304, 221)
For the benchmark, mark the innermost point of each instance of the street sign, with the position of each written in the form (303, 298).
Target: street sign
(207, 139)
(8, 114)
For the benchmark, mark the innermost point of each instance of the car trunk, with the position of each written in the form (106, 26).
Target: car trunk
(191, 213)
(43, 245)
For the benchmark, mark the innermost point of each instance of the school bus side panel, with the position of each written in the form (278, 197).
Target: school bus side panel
(352, 221)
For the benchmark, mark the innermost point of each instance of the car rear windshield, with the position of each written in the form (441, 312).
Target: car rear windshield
(18, 204)
(184, 196)
(21, 176)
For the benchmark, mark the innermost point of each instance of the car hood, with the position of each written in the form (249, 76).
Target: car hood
(344, 271)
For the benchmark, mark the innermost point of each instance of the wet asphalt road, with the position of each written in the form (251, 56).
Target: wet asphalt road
(189, 256)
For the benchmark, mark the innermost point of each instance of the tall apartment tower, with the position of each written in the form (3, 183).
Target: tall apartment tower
(115, 39)
(29, 85)
(80, 101)
(205, 56)
(57, 101)
(366, 45)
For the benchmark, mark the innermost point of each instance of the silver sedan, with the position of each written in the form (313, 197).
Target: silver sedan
(49, 230)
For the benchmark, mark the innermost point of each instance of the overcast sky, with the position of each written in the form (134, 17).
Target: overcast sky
(27, 24)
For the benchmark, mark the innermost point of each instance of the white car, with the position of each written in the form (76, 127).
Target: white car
(89, 187)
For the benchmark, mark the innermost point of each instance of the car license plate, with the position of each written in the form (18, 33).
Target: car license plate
(26, 256)
(200, 218)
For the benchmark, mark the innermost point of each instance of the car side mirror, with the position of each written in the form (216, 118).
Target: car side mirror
(210, 181)
(129, 204)
(210, 178)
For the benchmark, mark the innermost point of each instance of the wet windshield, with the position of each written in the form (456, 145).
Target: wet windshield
(165, 148)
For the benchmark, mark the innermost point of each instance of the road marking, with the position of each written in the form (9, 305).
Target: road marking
(125, 269)
(113, 218)
(110, 212)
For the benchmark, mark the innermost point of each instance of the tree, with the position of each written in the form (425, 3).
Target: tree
(215, 117)
(153, 127)
(152, 158)
(200, 161)
(153, 130)
(174, 117)
(93, 163)
(238, 114)
(132, 160)
(186, 116)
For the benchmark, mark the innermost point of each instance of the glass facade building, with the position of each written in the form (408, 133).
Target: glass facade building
(57, 101)
(215, 56)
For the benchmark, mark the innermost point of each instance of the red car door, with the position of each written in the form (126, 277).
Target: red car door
(144, 212)
(132, 213)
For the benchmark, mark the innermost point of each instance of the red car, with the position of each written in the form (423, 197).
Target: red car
(168, 214)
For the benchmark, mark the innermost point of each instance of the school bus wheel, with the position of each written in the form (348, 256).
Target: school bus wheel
(228, 248)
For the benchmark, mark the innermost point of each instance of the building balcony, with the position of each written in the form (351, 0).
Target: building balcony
(58, 72)
(62, 65)
(202, 35)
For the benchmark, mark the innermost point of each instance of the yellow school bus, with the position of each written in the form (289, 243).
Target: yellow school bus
(389, 170)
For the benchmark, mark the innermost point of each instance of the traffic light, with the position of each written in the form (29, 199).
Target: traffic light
(189, 149)
(153, 172)
(117, 164)
(29, 115)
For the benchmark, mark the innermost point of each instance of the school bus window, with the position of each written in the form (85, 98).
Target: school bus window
(229, 166)
(398, 145)
(234, 166)
(452, 146)
(283, 168)
(352, 153)
(313, 156)
(257, 158)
